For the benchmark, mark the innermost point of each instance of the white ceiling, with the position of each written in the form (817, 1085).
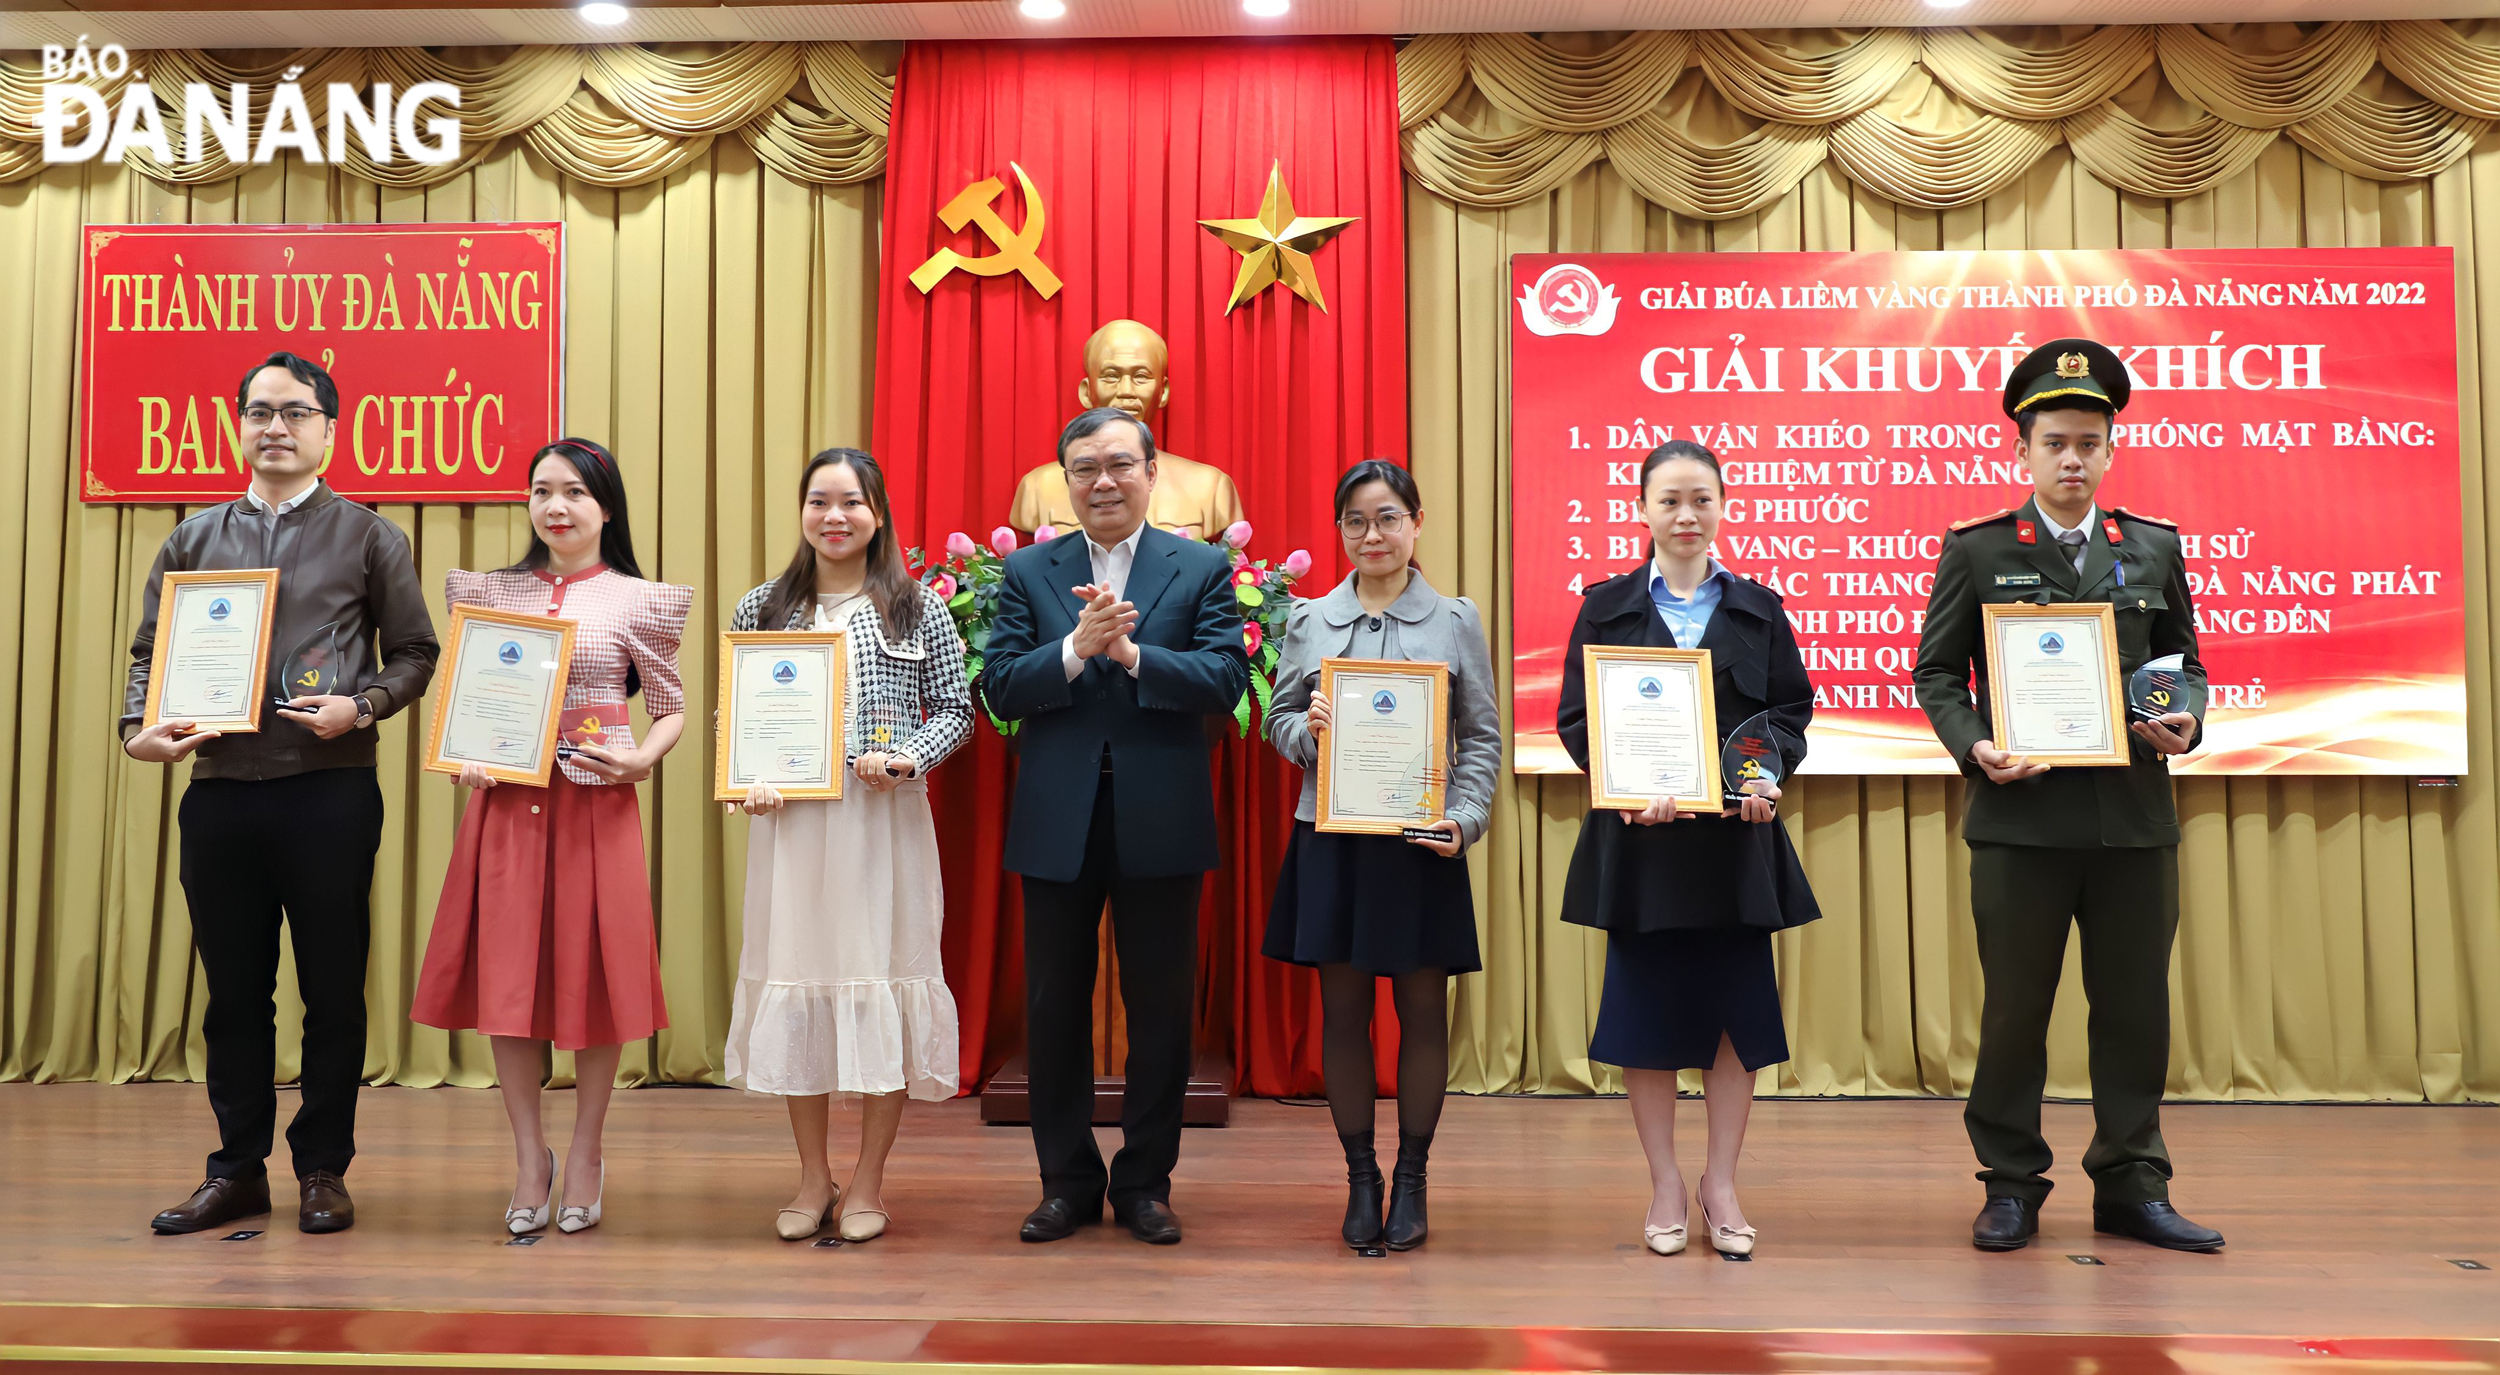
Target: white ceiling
(241, 26)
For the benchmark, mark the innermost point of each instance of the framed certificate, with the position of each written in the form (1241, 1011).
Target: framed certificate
(2053, 691)
(1385, 755)
(781, 705)
(1653, 728)
(499, 696)
(211, 665)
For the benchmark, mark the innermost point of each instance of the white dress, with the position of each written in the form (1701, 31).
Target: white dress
(840, 990)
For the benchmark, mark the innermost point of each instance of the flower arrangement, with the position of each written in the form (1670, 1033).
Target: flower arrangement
(968, 575)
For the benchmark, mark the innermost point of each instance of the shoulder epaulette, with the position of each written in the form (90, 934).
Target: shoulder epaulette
(1989, 519)
(2139, 516)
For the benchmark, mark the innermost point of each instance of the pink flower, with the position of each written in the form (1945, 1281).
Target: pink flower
(1238, 558)
(1297, 563)
(960, 545)
(1247, 577)
(1252, 636)
(1237, 534)
(1003, 539)
(943, 584)
(1044, 533)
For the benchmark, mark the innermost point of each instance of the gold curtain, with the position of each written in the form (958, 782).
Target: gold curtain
(615, 116)
(721, 324)
(1936, 118)
(2340, 937)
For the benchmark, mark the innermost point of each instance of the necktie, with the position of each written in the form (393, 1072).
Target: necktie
(2072, 543)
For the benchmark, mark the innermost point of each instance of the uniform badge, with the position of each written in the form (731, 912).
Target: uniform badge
(2018, 580)
(2072, 365)
(2109, 526)
(2026, 533)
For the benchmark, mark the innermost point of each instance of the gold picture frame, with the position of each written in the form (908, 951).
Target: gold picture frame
(170, 591)
(1691, 669)
(2105, 742)
(447, 687)
(1432, 681)
(836, 645)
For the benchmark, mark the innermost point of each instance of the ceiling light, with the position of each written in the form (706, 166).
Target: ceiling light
(1946, 4)
(1266, 9)
(600, 12)
(1042, 9)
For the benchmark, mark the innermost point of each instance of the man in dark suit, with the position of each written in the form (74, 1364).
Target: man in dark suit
(1112, 644)
(2094, 849)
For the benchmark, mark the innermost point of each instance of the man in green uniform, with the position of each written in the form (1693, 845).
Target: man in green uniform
(2094, 848)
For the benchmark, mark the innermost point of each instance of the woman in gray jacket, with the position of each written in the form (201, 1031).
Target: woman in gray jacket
(1364, 907)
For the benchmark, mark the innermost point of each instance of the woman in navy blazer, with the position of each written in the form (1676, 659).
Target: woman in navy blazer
(1689, 904)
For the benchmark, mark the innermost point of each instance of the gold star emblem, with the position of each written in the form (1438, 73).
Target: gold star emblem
(1277, 246)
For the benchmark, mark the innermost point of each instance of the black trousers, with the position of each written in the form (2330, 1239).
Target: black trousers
(2126, 904)
(1154, 924)
(301, 847)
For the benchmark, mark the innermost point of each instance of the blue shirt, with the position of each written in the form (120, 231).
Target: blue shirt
(1687, 618)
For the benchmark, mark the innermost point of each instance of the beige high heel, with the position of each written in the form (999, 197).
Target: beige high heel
(1728, 1241)
(1665, 1241)
(867, 1224)
(795, 1224)
(523, 1221)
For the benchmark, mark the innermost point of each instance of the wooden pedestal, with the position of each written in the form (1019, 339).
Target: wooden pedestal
(1008, 1101)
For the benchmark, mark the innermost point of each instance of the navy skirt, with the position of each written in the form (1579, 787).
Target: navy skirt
(1670, 996)
(1375, 902)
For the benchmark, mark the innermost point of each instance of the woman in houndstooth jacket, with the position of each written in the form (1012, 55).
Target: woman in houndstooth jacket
(839, 986)
(544, 931)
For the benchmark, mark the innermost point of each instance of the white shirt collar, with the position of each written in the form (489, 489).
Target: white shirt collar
(2091, 517)
(282, 507)
(1129, 544)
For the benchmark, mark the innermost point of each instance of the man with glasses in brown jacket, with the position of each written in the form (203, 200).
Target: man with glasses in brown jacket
(284, 824)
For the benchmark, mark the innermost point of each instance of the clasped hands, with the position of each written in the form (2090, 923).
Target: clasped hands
(2171, 734)
(1758, 805)
(1104, 626)
(763, 799)
(166, 742)
(616, 766)
(1317, 718)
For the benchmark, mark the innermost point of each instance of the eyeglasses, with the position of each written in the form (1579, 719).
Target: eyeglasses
(1387, 522)
(1087, 474)
(297, 417)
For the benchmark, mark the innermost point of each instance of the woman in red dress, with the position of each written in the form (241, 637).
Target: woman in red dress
(544, 933)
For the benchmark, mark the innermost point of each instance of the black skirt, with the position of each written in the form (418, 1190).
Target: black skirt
(1670, 996)
(1378, 903)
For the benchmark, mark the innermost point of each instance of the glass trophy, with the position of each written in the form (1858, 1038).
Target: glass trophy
(1751, 761)
(312, 670)
(2161, 686)
(883, 727)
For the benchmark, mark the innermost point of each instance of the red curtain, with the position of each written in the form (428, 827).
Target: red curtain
(1129, 145)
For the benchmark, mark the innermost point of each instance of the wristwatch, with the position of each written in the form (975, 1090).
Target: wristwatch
(364, 711)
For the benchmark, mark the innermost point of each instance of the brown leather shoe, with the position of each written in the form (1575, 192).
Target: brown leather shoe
(217, 1202)
(327, 1208)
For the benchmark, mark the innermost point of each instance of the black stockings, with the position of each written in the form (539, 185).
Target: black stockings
(1422, 999)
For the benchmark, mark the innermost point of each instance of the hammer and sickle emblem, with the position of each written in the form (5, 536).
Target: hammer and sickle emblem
(972, 206)
(311, 678)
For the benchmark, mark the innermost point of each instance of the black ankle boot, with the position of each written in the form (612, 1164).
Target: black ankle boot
(1405, 1229)
(1362, 1190)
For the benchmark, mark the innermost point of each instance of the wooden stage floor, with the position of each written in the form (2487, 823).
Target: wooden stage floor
(2344, 1224)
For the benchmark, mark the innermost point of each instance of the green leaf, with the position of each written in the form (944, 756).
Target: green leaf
(1241, 716)
(961, 601)
(1265, 691)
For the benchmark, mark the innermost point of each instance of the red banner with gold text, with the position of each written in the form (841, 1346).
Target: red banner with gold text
(446, 342)
(2294, 412)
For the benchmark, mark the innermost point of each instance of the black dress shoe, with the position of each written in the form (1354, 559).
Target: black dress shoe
(2155, 1224)
(1405, 1227)
(2005, 1224)
(1151, 1221)
(215, 1203)
(1057, 1219)
(327, 1208)
(1362, 1194)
